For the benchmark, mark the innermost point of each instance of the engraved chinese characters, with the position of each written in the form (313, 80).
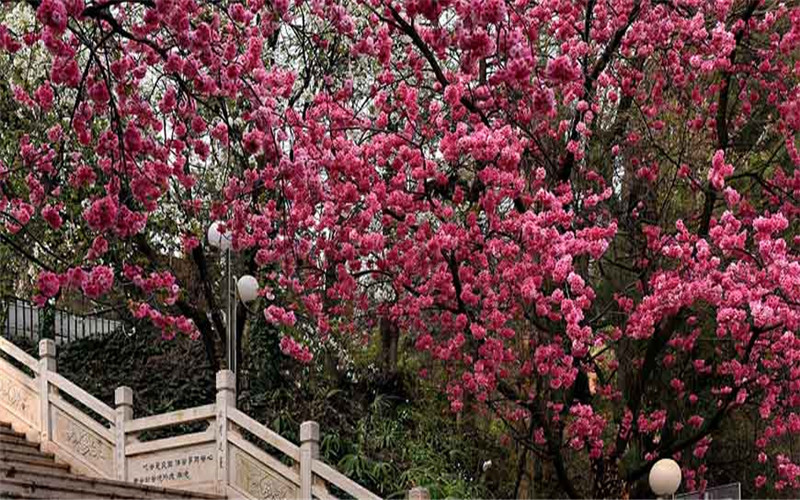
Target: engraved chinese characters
(170, 467)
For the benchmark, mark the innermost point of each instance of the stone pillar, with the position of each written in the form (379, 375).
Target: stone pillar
(309, 451)
(47, 363)
(226, 398)
(123, 399)
(419, 493)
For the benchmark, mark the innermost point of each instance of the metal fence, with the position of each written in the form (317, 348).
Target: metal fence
(731, 491)
(23, 319)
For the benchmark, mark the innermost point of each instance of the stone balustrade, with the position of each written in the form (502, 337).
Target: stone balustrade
(233, 454)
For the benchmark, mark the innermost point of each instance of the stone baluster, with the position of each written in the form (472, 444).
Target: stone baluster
(47, 364)
(226, 398)
(419, 493)
(123, 400)
(309, 451)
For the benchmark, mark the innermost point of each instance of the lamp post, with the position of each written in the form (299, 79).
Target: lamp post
(665, 478)
(246, 291)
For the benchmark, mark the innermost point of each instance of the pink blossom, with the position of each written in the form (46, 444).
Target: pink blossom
(253, 141)
(48, 284)
(44, 96)
(21, 214)
(719, 170)
(562, 70)
(98, 282)
(695, 421)
(83, 176)
(98, 248)
(586, 428)
(73, 278)
(279, 315)
(189, 243)
(53, 14)
(102, 213)
(52, 216)
(65, 70)
(299, 352)
(544, 101)
(99, 92)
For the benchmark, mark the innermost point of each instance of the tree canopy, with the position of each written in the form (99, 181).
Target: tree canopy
(582, 212)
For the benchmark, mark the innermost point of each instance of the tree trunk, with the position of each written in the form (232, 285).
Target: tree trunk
(607, 481)
(47, 324)
(390, 335)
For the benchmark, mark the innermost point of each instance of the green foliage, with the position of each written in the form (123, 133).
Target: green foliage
(164, 376)
(388, 432)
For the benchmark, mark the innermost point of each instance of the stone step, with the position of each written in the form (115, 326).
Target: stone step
(28, 489)
(9, 439)
(19, 470)
(37, 457)
(103, 487)
(34, 467)
(6, 494)
(8, 431)
(23, 448)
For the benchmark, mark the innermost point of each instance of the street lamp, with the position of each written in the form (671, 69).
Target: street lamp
(217, 239)
(246, 286)
(665, 478)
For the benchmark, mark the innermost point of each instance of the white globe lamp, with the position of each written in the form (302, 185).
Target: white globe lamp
(248, 288)
(216, 238)
(665, 477)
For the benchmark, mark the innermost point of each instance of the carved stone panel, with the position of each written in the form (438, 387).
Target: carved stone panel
(177, 467)
(18, 398)
(83, 442)
(257, 480)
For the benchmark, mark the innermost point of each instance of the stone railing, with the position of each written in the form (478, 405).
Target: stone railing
(228, 456)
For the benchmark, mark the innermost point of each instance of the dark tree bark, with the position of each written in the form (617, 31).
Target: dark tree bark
(390, 336)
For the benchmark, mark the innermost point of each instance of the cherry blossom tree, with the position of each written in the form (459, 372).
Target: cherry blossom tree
(581, 212)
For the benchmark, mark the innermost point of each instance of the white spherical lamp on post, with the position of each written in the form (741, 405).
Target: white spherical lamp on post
(248, 288)
(665, 478)
(218, 239)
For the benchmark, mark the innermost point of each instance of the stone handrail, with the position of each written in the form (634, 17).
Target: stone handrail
(217, 459)
(19, 355)
(267, 435)
(344, 483)
(197, 414)
(79, 394)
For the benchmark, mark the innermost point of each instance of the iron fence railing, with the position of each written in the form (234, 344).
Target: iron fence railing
(24, 320)
(732, 491)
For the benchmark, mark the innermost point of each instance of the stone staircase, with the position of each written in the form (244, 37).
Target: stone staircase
(28, 472)
(213, 450)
